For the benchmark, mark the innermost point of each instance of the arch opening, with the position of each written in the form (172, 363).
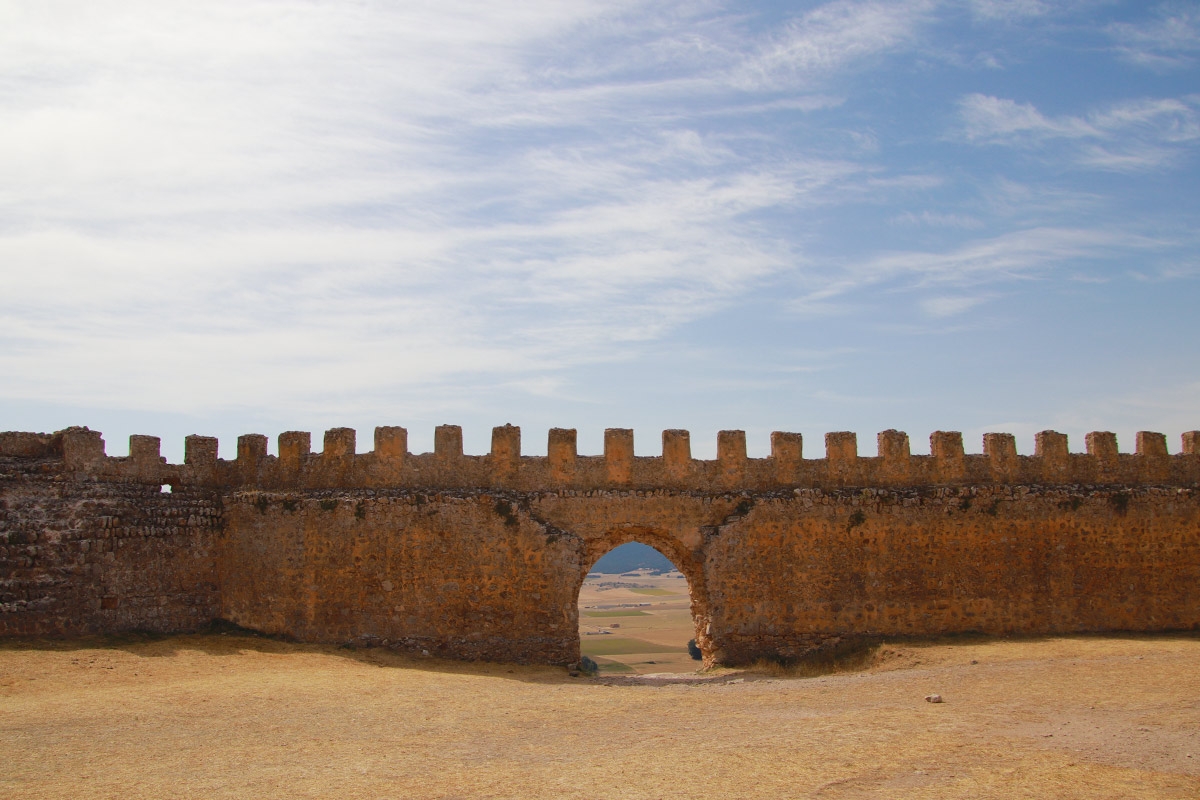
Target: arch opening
(637, 608)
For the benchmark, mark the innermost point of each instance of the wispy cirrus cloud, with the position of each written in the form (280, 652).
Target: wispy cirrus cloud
(833, 36)
(1038, 204)
(1170, 40)
(1009, 258)
(938, 220)
(998, 120)
(1007, 10)
(949, 305)
(318, 205)
(1017, 255)
(1147, 133)
(387, 197)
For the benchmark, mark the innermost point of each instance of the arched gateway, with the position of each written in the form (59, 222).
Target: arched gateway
(629, 606)
(686, 560)
(483, 556)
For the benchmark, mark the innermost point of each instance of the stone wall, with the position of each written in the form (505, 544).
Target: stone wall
(804, 571)
(483, 556)
(91, 556)
(463, 575)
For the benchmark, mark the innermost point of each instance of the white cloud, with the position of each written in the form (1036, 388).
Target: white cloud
(1010, 9)
(1013, 257)
(1169, 41)
(323, 205)
(938, 220)
(233, 202)
(1131, 136)
(1016, 255)
(949, 306)
(996, 119)
(1038, 204)
(832, 36)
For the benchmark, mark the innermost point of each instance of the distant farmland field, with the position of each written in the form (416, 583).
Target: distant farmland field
(621, 645)
(637, 622)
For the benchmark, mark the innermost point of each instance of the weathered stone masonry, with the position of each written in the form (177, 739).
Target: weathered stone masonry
(482, 556)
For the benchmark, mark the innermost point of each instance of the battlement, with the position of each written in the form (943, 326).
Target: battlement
(391, 465)
(481, 556)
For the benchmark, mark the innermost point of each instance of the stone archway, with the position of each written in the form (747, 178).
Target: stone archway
(685, 560)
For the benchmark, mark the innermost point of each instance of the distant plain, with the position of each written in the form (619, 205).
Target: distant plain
(637, 622)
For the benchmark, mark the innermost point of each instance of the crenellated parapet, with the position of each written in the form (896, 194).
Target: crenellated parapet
(390, 464)
(482, 556)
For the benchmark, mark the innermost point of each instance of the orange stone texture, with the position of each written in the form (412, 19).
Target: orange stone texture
(482, 557)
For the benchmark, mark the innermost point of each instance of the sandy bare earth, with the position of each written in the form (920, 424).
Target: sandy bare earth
(239, 716)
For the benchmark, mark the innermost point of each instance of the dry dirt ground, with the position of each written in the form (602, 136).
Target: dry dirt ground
(239, 716)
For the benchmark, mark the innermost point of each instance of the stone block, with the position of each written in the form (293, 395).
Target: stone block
(618, 454)
(391, 443)
(1102, 445)
(841, 447)
(340, 443)
(447, 441)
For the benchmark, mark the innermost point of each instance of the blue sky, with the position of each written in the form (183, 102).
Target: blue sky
(237, 217)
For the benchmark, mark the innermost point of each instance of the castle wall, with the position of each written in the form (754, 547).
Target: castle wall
(87, 556)
(482, 556)
(808, 570)
(463, 575)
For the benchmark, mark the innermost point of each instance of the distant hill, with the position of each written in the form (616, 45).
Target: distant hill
(631, 556)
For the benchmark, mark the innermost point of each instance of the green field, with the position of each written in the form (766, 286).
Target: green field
(658, 592)
(621, 645)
